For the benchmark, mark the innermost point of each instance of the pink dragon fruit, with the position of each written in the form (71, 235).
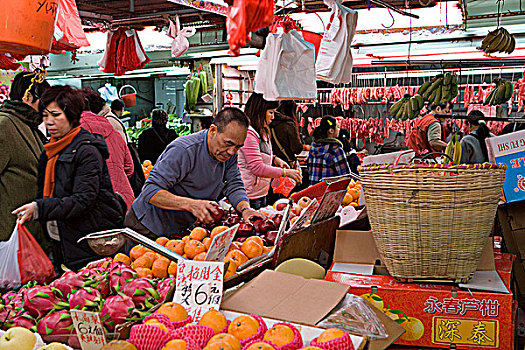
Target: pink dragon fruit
(55, 326)
(7, 296)
(6, 313)
(116, 309)
(69, 283)
(85, 299)
(164, 286)
(39, 300)
(23, 320)
(99, 278)
(119, 275)
(15, 300)
(142, 292)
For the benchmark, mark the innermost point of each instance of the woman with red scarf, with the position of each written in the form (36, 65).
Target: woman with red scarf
(75, 196)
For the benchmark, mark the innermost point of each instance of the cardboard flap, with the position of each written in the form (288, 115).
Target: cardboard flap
(486, 262)
(357, 247)
(286, 297)
(393, 329)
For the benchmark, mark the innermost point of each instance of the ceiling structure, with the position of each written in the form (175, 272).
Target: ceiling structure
(102, 14)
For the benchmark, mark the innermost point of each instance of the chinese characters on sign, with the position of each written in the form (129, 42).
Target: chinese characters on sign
(89, 329)
(220, 244)
(199, 286)
(467, 332)
(452, 306)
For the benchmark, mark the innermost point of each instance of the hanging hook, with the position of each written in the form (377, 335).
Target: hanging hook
(393, 20)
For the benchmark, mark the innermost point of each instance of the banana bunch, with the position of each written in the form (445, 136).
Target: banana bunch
(442, 89)
(408, 107)
(500, 94)
(453, 149)
(499, 40)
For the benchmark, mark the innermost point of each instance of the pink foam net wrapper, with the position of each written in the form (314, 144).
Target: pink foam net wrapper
(343, 343)
(259, 335)
(165, 320)
(198, 333)
(145, 336)
(245, 347)
(182, 323)
(225, 330)
(297, 343)
(283, 185)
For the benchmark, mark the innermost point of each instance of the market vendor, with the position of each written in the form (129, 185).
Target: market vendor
(428, 132)
(190, 175)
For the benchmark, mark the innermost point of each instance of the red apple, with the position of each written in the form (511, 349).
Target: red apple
(281, 206)
(257, 225)
(271, 236)
(304, 202)
(277, 219)
(245, 229)
(267, 225)
(220, 214)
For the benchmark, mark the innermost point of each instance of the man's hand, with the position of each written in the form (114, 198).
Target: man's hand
(25, 213)
(278, 162)
(202, 210)
(249, 213)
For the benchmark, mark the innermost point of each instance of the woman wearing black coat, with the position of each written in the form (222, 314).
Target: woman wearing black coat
(75, 196)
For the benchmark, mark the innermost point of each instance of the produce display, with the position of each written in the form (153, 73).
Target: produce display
(408, 107)
(195, 87)
(498, 40)
(501, 93)
(353, 193)
(442, 89)
(453, 149)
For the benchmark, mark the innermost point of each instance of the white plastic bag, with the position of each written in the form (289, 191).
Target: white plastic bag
(180, 42)
(9, 271)
(334, 62)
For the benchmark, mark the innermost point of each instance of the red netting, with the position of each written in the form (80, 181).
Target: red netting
(200, 334)
(147, 337)
(343, 343)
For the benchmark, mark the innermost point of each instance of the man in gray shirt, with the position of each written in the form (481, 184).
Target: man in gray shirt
(190, 175)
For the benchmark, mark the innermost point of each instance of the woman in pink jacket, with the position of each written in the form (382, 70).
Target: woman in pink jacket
(120, 163)
(257, 163)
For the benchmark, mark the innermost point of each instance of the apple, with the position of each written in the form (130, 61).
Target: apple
(17, 338)
(281, 206)
(304, 202)
(233, 220)
(267, 225)
(297, 209)
(220, 214)
(271, 236)
(57, 346)
(277, 219)
(257, 225)
(245, 229)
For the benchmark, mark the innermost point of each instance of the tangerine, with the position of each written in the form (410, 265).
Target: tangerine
(176, 312)
(162, 241)
(236, 245)
(256, 239)
(218, 346)
(280, 335)
(146, 260)
(207, 242)
(355, 193)
(260, 346)
(143, 272)
(218, 229)
(193, 247)
(176, 246)
(267, 249)
(232, 269)
(243, 327)
(251, 249)
(136, 252)
(186, 238)
(156, 323)
(160, 267)
(330, 334)
(172, 268)
(226, 338)
(214, 319)
(347, 199)
(146, 163)
(175, 344)
(200, 256)
(237, 256)
(123, 258)
(198, 233)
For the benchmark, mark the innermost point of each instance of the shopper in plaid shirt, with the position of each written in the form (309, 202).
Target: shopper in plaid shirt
(326, 157)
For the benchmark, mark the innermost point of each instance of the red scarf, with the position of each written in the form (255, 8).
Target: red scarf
(53, 149)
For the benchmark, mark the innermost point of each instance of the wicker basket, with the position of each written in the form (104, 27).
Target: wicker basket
(430, 221)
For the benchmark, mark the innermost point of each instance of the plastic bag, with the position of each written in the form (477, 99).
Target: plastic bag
(9, 271)
(283, 185)
(33, 263)
(69, 34)
(180, 42)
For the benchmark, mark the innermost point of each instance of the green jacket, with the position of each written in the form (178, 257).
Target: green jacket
(20, 149)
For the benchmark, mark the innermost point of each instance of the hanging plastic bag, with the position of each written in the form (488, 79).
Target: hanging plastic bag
(69, 34)
(9, 271)
(34, 265)
(283, 185)
(179, 35)
(334, 62)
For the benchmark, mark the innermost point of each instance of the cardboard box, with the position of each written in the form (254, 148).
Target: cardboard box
(510, 150)
(438, 315)
(511, 217)
(291, 298)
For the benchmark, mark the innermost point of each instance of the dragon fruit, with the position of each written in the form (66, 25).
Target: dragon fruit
(85, 299)
(69, 283)
(99, 278)
(164, 286)
(23, 320)
(39, 300)
(6, 313)
(7, 296)
(55, 326)
(142, 292)
(116, 309)
(119, 275)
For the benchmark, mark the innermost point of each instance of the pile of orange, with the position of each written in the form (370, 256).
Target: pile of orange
(353, 193)
(146, 168)
(239, 253)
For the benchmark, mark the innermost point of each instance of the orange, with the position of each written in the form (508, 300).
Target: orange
(256, 239)
(207, 243)
(267, 249)
(172, 268)
(232, 269)
(354, 204)
(123, 258)
(144, 272)
(237, 256)
(198, 233)
(243, 327)
(351, 184)
(146, 163)
(330, 334)
(137, 251)
(156, 323)
(193, 247)
(354, 193)
(347, 199)
(160, 267)
(214, 319)
(162, 241)
(251, 249)
(293, 220)
(176, 246)
(185, 238)
(226, 338)
(280, 335)
(175, 344)
(218, 346)
(218, 229)
(200, 256)
(260, 346)
(146, 260)
(174, 311)
(235, 245)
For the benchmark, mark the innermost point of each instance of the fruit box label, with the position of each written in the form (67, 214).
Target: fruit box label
(437, 316)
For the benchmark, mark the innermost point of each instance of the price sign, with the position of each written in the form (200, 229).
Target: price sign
(332, 199)
(305, 216)
(199, 286)
(89, 329)
(220, 244)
